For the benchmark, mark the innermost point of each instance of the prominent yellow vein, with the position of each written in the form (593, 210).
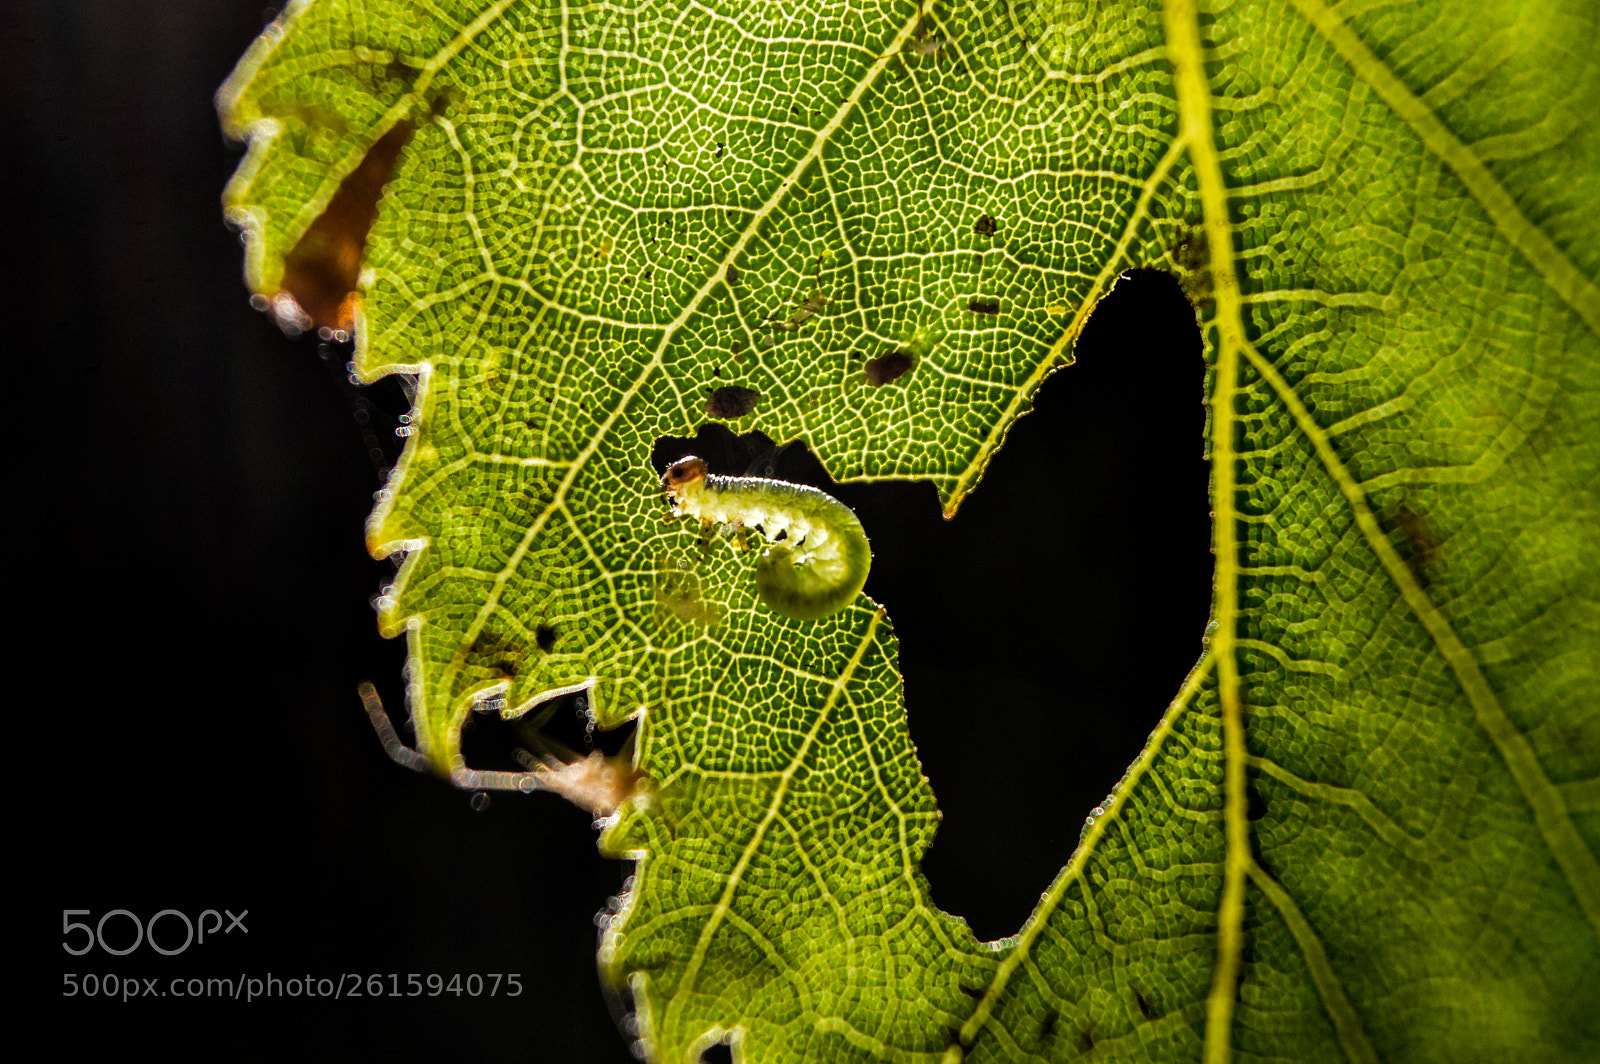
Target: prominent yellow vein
(1056, 356)
(691, 306)
(1346, 1024)
(724, 905)
(1550, 813)
(1074, 871)
(1578, 291)
(1182, 23)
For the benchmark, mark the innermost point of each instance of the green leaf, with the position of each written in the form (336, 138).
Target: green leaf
(1366, 827)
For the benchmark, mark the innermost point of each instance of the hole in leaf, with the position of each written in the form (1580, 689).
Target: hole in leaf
(489, 741)
(1043, 630)
(1256, 806)
(321, 271)
(749, 454)
(1046, 627)
(717, 1053)
(545, 636)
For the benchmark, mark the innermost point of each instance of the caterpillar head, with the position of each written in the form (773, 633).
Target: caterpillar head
(682, 473)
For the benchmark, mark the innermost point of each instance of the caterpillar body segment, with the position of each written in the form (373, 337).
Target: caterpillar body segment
(820, 556)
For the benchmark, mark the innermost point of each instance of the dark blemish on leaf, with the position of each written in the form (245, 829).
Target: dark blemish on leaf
(1420, 546)
(731, 274)
(321, 271)
(398, 69)
(1190, 250)
(984, 226)
(545, 635)
(443, 99)
(1141, 1004)
(890, 367)
(1573, 738)
(731, 401)
(649, 273)
(805, 312)
(489, 642)
(1192, 256)
(1086, 1040)
(977, 260)
(721, 147)
(984, 306)
(502, 652)
(1047, 1029)
(974, 992)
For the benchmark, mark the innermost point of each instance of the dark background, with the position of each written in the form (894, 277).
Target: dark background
(187, 533)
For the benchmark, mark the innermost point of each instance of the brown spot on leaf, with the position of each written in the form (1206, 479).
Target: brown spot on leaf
(984, 306)
(890, 367)
(731, 401)
(984, 226)
(320, 272)
(732, 274)
(1421, 546)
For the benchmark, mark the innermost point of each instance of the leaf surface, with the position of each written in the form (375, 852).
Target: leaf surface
(1366, 826)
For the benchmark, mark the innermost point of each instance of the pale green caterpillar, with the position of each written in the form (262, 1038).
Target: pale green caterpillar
(820, 555)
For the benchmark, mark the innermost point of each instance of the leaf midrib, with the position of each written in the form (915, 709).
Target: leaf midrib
(1551, 816)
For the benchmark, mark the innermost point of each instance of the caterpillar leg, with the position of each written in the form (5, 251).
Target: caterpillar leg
(599, 783)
